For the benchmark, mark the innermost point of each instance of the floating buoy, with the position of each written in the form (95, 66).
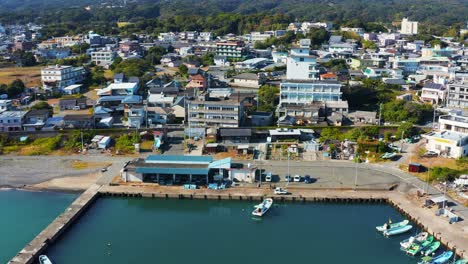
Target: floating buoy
(109, 244)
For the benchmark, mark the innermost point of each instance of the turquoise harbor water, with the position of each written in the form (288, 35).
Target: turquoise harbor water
(24, 215)
(121, 230)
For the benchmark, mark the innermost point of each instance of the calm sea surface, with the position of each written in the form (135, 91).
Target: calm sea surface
(24, 214)
(122, 230)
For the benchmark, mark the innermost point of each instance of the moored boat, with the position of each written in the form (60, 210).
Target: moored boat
(416, 247)
(388, 226)
(43, 259)
(263, 207)
(405, 244)
(431, 248)
(442, 258)
(397, 230)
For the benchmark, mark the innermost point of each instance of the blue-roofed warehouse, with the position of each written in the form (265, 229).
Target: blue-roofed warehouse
(175, 169)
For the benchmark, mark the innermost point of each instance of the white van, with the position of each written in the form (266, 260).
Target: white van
(268, 177)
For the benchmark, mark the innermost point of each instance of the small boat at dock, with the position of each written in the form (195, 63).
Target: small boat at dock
(416, 247)
(390, 225)
(405, 244)
(43, 259)
(431, 248)
(397, 230)
(263, 207)
(442, 258)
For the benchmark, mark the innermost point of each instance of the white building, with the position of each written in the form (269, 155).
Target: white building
(103, 58)
(454, 123)
(447, 143)
(259, 36)
(301, 65)
(342, 47)
(433, 93)
(409, 27)
(5, 105)
(59, 77)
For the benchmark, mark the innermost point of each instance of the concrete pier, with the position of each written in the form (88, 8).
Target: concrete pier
(31, 252)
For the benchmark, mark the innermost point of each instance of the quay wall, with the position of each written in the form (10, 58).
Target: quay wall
(49, 235)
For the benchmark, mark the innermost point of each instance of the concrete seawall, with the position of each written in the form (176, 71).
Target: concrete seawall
(452, 236)
(31, 252)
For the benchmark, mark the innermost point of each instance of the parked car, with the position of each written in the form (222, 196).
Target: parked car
(268, 177)
(431, 153)
(103, 169)
(280, 191)
(307, 179)
(297, 178)
(288, 178)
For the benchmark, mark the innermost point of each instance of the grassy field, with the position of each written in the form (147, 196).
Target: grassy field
(31, 76)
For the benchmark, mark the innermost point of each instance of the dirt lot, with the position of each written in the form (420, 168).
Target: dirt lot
(31, 76)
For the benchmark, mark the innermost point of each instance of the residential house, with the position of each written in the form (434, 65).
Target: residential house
(72, 104)
(198, 82)
(453, 122)
(116, 95)
(234, 136)
(433, 93)
(221, 60)
(36, 119)
(249, 80)
(12, 120)
(72, 89)
(261, 118)
(78, 121)
(363, 117)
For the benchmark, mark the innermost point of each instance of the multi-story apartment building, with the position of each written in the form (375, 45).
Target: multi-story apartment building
(301, 64)
(458, 94)
(454, 123)
(214, 112)
(59, 76)
(306, 92)
(103, 58)
(409, 27)
(231, 49)
(302, 87)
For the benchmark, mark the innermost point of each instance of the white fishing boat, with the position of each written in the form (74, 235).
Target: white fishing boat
(405, 244)
(43, 259)
(263, 207)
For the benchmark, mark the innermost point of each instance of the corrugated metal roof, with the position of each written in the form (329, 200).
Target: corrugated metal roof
(157, 170)
(179, 158)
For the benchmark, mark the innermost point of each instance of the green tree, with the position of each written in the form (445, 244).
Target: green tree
(267, 98)
(368, 44)
(330, 133)
(15, 88)
(132, 67)
(406, 130)
(207, 59)
(183, 70)
(42, 105)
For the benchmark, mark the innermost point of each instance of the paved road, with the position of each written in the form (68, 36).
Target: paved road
(17, 171)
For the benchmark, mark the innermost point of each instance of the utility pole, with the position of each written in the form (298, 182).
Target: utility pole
(433, 118)
(356, 174)
(380, 114)
(82, 143)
